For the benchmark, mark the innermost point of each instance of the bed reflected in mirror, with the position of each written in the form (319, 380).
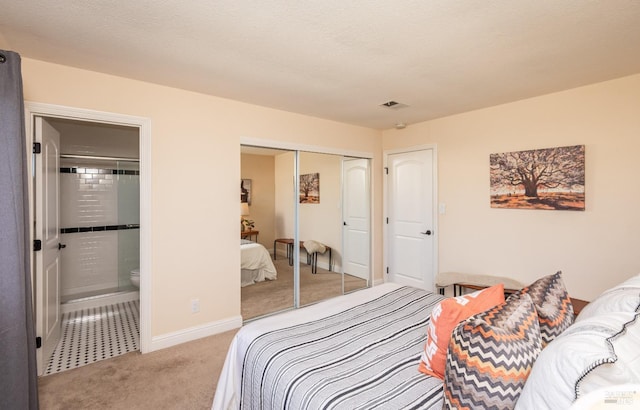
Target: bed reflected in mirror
(270, 209)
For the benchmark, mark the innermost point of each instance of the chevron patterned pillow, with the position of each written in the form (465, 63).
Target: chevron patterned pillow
(491, 355)
(553, 304)
(445, 316)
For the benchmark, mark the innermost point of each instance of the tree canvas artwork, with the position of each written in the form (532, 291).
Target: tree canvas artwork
(310, 188)
(551, 178)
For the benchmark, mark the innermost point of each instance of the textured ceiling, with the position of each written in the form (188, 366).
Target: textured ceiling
(339, 59)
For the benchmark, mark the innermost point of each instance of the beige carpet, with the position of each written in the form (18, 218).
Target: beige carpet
(272, 296)
(183, 376)
(179, 377)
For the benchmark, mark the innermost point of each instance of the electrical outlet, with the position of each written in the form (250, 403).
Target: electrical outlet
(195, 305)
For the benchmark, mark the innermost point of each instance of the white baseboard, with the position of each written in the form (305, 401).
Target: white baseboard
(194, 333)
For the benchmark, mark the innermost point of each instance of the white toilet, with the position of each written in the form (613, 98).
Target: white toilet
(135, 277)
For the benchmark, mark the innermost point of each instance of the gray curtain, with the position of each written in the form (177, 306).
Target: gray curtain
(18, 374)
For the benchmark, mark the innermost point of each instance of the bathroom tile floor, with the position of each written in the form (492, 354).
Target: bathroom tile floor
(94, 334)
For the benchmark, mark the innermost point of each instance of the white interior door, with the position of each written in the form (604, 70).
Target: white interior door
(356, 213)
(410, 231)
(47, 230)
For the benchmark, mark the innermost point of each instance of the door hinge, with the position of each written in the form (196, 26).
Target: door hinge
(387, 270)
(387, 220)
(37, 148)
(37, 245)
(386, 170)
(38, 342)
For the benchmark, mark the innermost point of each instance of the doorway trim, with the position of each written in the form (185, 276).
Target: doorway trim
(34, 109)
(385, 194)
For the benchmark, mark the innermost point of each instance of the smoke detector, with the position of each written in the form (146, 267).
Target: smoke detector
(401, 125)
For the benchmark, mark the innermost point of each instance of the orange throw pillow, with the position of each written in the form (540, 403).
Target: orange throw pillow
(445, 316)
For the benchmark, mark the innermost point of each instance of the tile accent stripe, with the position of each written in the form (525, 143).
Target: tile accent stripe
(99, 228)
(66, 170)
(95, 334)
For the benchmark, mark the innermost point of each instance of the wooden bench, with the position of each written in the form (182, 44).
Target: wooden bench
(289, 243)
(461, 281)
(312, 258)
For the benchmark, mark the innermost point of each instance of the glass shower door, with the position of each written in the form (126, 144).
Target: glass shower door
(127, 177)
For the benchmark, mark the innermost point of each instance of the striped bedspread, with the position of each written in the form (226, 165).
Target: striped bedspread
(363, 357)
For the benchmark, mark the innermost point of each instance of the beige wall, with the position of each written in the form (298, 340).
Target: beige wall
(195, 166)
(595, 248)
(260, 169)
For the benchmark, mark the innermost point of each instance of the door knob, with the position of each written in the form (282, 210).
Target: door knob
(61, 246)
(427, 232)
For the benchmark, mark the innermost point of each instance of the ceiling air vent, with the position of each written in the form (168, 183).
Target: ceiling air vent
(393, 105)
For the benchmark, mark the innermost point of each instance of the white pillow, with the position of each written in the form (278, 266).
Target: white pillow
(624, 297)
(633, 281)
(554, 379)
(626, 368)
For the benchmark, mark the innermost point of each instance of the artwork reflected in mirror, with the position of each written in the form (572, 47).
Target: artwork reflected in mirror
(245, 191)
(310, 188)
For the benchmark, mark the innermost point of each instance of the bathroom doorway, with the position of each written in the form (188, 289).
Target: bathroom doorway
(88, 304)
(99, 210)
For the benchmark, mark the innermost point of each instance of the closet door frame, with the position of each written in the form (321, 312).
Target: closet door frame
(297, 148)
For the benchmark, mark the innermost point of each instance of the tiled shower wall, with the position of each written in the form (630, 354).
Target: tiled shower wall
(99, 215)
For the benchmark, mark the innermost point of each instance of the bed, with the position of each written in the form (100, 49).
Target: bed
(335, 354)
(362, 351)
(255, 263)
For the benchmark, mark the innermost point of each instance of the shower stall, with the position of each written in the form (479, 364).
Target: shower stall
(99, 209)
(100, 221)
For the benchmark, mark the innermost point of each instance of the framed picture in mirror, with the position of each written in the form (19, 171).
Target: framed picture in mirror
(245, 191)
(310, 188)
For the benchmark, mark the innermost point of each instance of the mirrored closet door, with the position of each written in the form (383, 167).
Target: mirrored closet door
(266, 230)
(320, 226)
(313, 217)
